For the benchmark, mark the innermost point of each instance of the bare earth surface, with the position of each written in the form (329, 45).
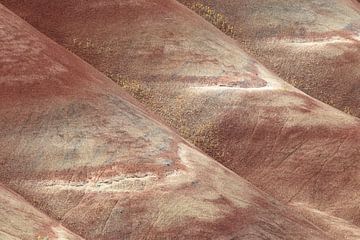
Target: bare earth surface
(82, 150)
(21, 221)
(285, 142)
(312, 44)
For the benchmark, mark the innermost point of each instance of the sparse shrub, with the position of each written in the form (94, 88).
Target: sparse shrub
(42, 238)
(348, 110)
(215, 18)
(134, 87)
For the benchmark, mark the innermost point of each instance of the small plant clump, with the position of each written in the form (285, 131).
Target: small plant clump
(42, 238)
(131, 86)
(348, 110)
(217, 19)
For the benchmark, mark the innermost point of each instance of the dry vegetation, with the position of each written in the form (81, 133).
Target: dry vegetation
(42, 238)
(133, 87)
(209, 14)
(203, 136)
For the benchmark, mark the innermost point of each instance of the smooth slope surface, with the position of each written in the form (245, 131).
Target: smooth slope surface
(313, 44)
(79, 148)
(287, 143)
(21, 221)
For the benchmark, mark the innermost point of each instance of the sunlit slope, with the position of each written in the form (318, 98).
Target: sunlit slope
(217, 96)
(83, 151)
(21, 221)
(313, 44)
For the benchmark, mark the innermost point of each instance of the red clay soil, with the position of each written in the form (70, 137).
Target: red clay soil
(21, 221)
(80, 149)
(285, 142)
(312, 44)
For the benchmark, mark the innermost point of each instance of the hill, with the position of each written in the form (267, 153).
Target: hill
(20, 220)
(314, 45)
(217, 96)
(82, 150)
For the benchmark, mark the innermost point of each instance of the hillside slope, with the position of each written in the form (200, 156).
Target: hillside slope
(82, 150)
(217, 96)
(20, 221)
(313, 44)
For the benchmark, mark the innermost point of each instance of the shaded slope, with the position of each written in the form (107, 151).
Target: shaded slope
(85, 152)
(313, 44)
(217, 96)
(336, 227)
(20, 221)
